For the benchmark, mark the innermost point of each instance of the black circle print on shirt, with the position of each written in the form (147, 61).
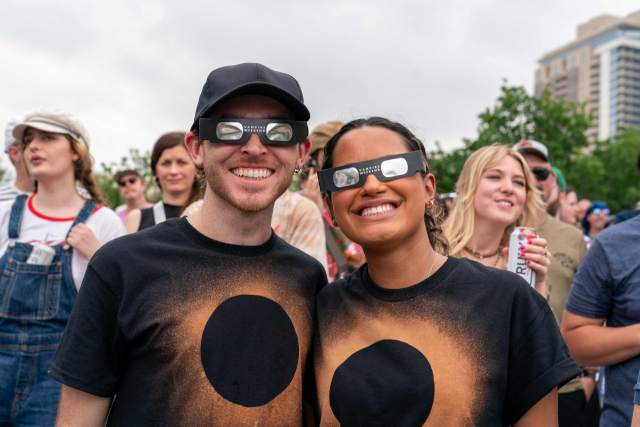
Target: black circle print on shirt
(389, 383)
(249, 350)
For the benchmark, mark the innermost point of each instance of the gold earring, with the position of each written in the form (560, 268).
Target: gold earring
(333, 220)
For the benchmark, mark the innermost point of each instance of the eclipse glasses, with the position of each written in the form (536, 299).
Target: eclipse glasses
(238, 131)
(384, 169)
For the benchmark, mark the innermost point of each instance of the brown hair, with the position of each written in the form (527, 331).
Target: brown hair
(170, 140)
(433, 217)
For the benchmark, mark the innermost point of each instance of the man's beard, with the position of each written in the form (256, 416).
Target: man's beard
(250, 205)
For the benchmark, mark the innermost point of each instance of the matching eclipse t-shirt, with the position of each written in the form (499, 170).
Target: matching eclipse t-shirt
(188, 331)
(469, 345)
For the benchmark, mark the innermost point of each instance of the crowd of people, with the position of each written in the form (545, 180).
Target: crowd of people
(364, 299)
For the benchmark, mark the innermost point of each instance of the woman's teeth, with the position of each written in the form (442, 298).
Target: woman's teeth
(377, 210)
(252, 173)
(507, 204)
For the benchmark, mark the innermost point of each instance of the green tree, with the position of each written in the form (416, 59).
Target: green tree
(610, 172)
(516, 116)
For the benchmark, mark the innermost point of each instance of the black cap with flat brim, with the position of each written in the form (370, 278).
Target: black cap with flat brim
(250, 79)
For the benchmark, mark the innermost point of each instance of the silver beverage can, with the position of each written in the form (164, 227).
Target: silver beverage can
(41, 254)
(515, 263)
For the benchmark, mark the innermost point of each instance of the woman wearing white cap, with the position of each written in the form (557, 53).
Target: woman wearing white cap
(46, 241)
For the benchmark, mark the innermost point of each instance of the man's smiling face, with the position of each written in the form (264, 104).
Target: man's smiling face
(250, 176)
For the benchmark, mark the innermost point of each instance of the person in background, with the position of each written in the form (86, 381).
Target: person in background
(414, 337)
(606, 290)
(46, 242)
(132, 189)
(298, 222)
(24, 183)
(176, 175)
(496, 194)
(448, 200)
(583, 205)
(343, 256)
(594, 221)
(578, 405)
(569, 209)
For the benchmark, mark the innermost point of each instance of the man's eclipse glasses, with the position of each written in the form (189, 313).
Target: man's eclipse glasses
(238, 131)
(384, 169)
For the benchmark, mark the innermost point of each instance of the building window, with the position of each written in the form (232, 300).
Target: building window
(573, 62)
(584, 57)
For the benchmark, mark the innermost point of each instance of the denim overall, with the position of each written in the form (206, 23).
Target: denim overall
(35, 304)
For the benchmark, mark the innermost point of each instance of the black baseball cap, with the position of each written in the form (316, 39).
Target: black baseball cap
(250, 79)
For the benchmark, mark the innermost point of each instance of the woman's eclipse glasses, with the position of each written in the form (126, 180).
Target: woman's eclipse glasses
(238, 131)
(384, 169)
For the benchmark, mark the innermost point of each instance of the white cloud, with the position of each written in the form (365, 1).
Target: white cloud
(133, 70)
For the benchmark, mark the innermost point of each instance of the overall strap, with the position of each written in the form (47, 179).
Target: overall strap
(158, 213)
(16, 216)
(85, 212)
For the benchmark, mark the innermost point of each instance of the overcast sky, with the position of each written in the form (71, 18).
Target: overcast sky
(132, 70)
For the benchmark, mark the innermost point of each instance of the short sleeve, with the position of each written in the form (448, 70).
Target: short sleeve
(307, 231)
(591, 292)
(108, 225)
(636, 396)
(87, 357)
(539, 359)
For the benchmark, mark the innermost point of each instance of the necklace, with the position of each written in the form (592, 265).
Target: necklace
(481, 256)
(434, 263)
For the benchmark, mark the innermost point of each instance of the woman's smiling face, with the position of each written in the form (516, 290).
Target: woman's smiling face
(379, 212)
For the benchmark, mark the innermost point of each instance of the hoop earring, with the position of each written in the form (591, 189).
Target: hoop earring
(298, 168)
(430, 205)
(333, 220)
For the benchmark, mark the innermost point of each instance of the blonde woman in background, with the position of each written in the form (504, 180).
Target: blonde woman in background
(496, 193)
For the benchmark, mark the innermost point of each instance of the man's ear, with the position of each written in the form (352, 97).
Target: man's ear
(303, 151)
(195, 148)
(14, 154)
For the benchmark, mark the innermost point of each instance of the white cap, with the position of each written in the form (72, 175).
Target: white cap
(53, 120)
(534, 147)
(9, 140)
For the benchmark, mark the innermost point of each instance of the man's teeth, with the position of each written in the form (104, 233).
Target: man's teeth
(252, 173)
(507, 204)
(377, 210)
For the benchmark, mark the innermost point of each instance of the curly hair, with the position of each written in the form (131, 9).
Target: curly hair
(433, 217)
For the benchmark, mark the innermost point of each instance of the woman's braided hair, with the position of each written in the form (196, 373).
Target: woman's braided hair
(433, 217)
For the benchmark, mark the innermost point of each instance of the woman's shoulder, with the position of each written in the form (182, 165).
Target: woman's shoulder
(335, 291)
(105, 219)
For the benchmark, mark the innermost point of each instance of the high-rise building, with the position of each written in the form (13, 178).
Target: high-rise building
(601, 67)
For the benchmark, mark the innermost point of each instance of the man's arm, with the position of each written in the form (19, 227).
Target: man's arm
(635, 422)
(592, 344)
(80, 409)
(542, 414)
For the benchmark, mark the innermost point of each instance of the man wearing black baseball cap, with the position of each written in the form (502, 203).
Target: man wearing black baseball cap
(204, 320)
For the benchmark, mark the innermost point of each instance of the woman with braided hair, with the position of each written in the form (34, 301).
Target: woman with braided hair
(47, 240)
(416, 337)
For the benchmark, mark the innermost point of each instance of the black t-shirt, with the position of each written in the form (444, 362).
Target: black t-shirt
(188, 331)
(147, 219)
(470, 345)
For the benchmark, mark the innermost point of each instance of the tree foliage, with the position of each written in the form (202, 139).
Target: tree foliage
(607, 172)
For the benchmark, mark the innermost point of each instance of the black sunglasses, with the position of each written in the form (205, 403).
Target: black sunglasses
(124, 182)
(541, 173)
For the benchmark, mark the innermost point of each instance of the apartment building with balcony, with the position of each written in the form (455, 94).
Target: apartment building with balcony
(602, 68)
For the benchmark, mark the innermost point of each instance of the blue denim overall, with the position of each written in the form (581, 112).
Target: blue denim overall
(35, 304)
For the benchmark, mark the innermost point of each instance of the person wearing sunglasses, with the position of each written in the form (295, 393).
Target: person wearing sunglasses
(132, 189)
(206, 319)
(567, 247)
(415, 337)
(594, 220)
